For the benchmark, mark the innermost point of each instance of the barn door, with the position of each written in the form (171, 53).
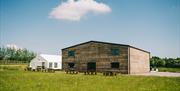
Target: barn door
(91, 66)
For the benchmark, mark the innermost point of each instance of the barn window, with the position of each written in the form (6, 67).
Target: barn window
(50, 64)
(55, 65)
(71, 53)
(115, 65)
(115, 51)
(71, 65)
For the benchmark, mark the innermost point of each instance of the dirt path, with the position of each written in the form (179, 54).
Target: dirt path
(168, 74)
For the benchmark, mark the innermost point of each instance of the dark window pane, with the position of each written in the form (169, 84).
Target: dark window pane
(71, 53)
(115, 51)
(55, 65)
(50, 65)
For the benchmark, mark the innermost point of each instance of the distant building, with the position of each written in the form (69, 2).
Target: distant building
(46, 62)
(100, 56)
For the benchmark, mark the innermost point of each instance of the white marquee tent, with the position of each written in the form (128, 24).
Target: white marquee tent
(47, 61)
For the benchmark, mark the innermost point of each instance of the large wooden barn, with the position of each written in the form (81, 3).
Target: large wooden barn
(101, 56)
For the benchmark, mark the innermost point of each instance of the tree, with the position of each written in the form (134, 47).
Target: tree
(16, 54)
(155, 61)
(170, 62)
(161, 63)
(2, 53)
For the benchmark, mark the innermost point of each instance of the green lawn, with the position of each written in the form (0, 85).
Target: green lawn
(169, 69)
(19, 80)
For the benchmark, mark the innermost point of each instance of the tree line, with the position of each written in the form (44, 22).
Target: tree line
(12, 54)
(165, 62)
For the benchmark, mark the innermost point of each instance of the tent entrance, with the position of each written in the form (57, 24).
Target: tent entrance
(43, 65)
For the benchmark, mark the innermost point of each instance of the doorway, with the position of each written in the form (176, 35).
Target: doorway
(115, 65)
(71, 65)
(91, 66)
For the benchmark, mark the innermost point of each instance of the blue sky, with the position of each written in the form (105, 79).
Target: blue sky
(153, 25)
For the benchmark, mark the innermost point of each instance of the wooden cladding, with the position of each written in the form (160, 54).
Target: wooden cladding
(100, 54)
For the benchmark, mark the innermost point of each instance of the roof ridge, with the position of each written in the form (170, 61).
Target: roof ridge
(105, 43)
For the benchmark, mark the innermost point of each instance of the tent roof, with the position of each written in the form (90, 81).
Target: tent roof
(51, 58)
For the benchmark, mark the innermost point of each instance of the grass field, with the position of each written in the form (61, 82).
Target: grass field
(15, 79)
(169, 69)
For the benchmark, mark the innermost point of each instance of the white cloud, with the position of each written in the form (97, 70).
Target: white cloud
(13, 46)
(74, 10)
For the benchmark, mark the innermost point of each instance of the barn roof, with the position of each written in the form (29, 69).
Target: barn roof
(106, 43)
(51, 58)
